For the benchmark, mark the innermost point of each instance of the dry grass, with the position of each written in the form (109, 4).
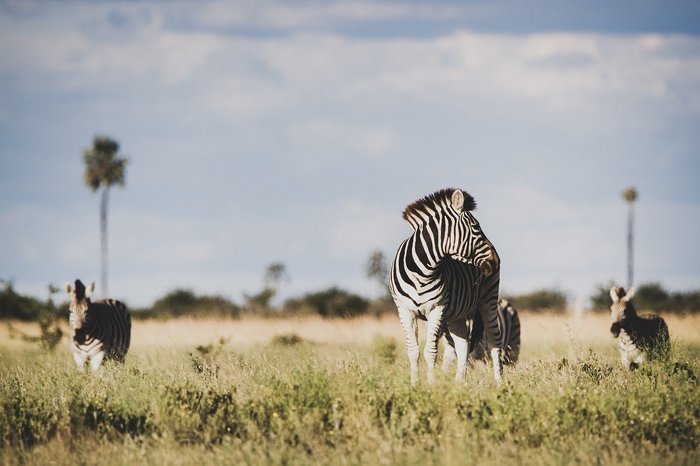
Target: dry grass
(541, 333)
(339, 394)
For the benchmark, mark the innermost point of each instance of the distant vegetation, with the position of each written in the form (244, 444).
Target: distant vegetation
(331, 302)
(651, 297)
(540, 301)
(182, 302)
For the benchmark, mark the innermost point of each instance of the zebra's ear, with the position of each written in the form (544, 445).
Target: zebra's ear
(628, 297)
(614, 295)
(89, 290)
(69, 288)
(458, 200)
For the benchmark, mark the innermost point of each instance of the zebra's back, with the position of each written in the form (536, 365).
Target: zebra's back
(652, 334)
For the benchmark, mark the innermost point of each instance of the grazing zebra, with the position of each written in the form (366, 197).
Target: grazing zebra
(510, 325)
(443, 273)
(638, 335)
(100, 329)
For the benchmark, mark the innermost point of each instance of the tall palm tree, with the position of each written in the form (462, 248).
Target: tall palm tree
(630, 195)
(102, 170)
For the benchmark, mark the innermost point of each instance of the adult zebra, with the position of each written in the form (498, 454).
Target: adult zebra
(510, 325)
(638, 335)
(100, 329)
(443, 273)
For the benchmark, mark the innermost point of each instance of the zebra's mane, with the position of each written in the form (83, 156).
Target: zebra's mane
(418, 212)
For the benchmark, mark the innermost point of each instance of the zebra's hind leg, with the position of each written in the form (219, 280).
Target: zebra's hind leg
(410, 331)
(494, 336)
(432, 332)
(460, 334)
(496, 357)
(448, 355)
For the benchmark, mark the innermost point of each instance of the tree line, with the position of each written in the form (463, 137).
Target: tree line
(329, 302)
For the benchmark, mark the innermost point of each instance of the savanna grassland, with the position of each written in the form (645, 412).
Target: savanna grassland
(314, 391)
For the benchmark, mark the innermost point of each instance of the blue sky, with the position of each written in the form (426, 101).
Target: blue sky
(296, 132)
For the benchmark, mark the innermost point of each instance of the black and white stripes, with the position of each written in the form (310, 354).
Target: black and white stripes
(510, 324)
(99, 330)
(444, 273)
(639, 336)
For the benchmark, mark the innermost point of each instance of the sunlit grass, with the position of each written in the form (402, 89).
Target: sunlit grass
(336, 392)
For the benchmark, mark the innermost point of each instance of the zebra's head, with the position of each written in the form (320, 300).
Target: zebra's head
(79, 302)
(466, 240)
(445, 220)
(621, 303)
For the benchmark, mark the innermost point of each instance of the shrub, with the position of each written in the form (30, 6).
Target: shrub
(287, 339)
(541, 300)
(182, 302)
(332, 302)
(17, 306)
(650, 297)
(107, 418)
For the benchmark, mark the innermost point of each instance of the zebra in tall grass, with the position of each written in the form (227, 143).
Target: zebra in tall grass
(100, 329)
(639, 336)
(510, 326)
(444, 273)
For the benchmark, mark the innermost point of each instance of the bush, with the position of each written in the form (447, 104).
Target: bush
(182, 302)
(16, 306)
(650, 297)
(540, 301)
(332, 302)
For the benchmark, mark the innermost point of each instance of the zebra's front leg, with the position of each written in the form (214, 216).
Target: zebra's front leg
(96, 361)
(431, 341)
(460, 335)
(79, 359)
(410, 331)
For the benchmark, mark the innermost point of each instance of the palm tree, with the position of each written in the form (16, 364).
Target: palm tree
(102, 170)
(630, 195)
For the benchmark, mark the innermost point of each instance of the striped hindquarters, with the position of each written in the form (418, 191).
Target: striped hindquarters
(107, 328)
(510, 326)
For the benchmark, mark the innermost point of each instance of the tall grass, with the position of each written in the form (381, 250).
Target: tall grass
(293, 399)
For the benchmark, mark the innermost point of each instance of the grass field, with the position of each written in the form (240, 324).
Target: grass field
(313, 391)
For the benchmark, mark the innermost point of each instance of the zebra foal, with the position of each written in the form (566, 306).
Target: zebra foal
(639, 336)
(444, 273)
(510, 326)
(100, 329)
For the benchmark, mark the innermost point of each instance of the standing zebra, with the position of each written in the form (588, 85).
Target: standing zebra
(444, 272)
(510, 325)
(638, 335)
(100, 329)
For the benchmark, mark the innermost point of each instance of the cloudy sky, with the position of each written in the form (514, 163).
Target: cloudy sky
(297, 132)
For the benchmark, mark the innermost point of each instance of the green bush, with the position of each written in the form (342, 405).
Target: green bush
(650, 297)
(182, 302)
(540, 301)
(332, 302)
(16, 306)
(99, 414)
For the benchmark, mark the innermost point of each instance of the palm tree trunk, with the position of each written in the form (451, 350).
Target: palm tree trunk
(630, 246)
(103, 237)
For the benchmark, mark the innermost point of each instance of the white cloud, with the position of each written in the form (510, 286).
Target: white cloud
(218, 102)
(353, 229)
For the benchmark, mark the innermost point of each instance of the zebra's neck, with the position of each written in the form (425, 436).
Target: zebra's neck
(428, 248)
